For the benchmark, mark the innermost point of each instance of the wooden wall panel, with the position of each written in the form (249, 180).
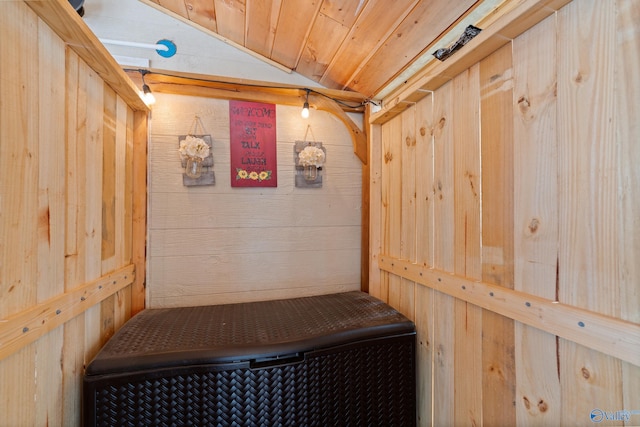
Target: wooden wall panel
(51, 167)
(93, 173)
(536, 218)
(375, 208)
(19, 184)
(53, 162)
(73, 356)
(73, 362)
(19, 162)
(466, 172)
(535, 193)
(424, 239)
(587, 183)
(467, 245)
(392, 201)
(443, 180)
(109, 190)
(627, 112)
(407, 190)
(139, 210)
(425, 185)
(385, 194)
(496, 134)
(627, 131)
(443, 255)
(51, 217)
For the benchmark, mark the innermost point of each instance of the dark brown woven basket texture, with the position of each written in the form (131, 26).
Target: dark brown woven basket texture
(370, 385)
(367, 382)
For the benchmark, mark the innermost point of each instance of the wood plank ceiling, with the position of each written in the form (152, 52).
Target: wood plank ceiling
(356, 45)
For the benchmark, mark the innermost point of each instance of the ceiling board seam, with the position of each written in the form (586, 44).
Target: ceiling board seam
(214, 20)
(306, 36)
(272, 26)
(352, 29)
(382, 41)
(217, 36)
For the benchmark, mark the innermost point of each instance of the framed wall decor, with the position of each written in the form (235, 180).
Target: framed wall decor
(198, 169)
(253, 144)
(309, 158)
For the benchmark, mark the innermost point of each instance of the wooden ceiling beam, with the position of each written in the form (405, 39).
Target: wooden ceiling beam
(294, 96)
(348, 97)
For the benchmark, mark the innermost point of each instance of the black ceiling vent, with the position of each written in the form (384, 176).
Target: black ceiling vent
(78, 5)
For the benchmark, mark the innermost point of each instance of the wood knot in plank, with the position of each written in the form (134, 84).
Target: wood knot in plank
(44, 221)
(523, 104)
(542, 406)
(495, 370)
(533, 226)
(440, 355)
(438, 189)
(388, 157)
(436, 129)
(471, 178)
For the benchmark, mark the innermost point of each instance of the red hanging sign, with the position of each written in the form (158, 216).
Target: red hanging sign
(253, 144)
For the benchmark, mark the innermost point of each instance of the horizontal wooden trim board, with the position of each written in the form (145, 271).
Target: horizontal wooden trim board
(27, 326)
(606, 334)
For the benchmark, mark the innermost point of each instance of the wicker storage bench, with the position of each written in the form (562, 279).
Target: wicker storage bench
(333, 360)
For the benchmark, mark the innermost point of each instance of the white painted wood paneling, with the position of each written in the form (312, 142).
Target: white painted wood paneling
(218, 244)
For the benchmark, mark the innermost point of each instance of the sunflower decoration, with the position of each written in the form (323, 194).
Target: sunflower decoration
(253, 175)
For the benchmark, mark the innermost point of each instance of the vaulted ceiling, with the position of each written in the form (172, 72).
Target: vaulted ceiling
(357, 45)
